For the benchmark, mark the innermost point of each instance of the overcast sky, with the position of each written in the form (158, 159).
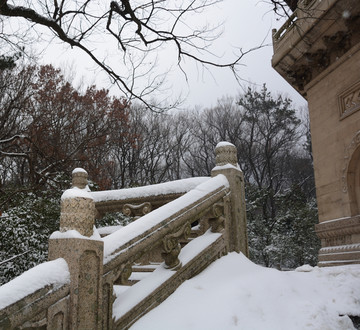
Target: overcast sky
(247, 24)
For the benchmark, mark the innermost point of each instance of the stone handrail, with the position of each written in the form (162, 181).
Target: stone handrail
(277, 34)
(300, 18)
(28, 299)
(151, 291)
(92, 297)
(178, 215)
(162, 229)
(139, 201)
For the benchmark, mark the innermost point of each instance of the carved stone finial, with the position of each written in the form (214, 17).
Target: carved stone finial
(225, 154)
(79, 178)
(78, 213)
(77, 206)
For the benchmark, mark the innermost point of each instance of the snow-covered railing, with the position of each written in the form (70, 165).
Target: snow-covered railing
(94, 295)
(176, 216)
(31, 297)
(141, 200)
(163, 229)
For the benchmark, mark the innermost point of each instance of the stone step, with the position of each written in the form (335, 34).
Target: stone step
(120, 289)
(145, 268)
(139, 272)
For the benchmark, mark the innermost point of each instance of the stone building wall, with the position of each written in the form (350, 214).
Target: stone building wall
(332, 133)
(318, 52)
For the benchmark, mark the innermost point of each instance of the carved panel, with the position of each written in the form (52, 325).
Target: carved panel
(337, 241)
(350, 176)
(88, 290)
(124, 275)
(217, 220)
(300, 75)
(78, 213)
(349, 151)
(338, 228)
(349, 101)
(57, 314)
(338, 43)
(107, 305)
(172, 247)
(340, 249)
(136, 211)
(319, 59)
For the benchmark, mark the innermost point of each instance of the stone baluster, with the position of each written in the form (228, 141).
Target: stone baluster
(83, 253)
(171, 246)
(235, 223)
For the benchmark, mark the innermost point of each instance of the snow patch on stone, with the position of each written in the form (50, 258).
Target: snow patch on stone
(224, 144)
(54, 272)
(76, 192)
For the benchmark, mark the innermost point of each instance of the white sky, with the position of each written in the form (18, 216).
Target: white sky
(248, 24)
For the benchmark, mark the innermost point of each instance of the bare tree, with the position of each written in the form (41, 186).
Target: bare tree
(134, 29)
(48, 127)
(283, 7)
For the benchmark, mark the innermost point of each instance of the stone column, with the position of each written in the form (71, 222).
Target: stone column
(226, 164)
(83, 253)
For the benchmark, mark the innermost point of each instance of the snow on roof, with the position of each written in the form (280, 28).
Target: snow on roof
(52, 272)
(173, 187)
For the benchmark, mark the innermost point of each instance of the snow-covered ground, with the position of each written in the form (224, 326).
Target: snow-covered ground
(234, 293)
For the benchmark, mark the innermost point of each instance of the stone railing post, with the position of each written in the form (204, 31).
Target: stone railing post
(83, 253)
(226, 164)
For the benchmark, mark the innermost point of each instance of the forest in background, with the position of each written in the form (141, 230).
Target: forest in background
(48, 127)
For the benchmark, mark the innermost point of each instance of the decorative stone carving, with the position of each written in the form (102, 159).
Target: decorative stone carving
(338, 43)
(85, 261)
(338, 228)
(125, 274)
(339, 255)
(137, 211)
(77, 206)
(79, 178)
(172, 248)
(107, 305)
(319, 59)
(340, 249)
(79, 214)
(57, 314)
(217, 220)
(300, 75)
(349, 101)
(225, 154)
(354, 144)
(234, 204)
(352, 23)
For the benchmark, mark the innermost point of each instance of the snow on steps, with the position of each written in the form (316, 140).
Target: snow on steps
(135, 301)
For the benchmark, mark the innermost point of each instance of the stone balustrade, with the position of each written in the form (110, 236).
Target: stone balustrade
(93, 298)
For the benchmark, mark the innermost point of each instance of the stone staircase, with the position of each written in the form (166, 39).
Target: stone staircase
(109, 282)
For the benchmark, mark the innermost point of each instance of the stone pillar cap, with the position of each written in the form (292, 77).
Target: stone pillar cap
(79, 178)
(226, 153)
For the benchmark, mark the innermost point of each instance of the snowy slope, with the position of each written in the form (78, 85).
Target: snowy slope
(234, 293)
